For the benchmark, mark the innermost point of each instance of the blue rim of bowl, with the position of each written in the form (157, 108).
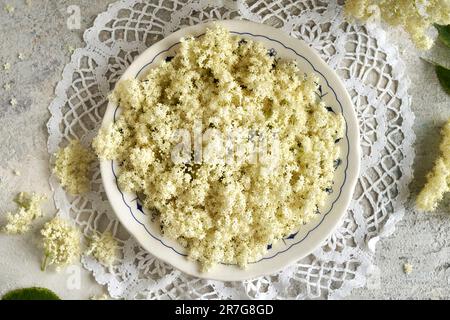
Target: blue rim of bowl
(346, 137)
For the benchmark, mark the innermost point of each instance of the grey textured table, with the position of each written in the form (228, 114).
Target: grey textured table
(39, 32)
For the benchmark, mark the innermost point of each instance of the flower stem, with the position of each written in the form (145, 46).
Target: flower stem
(44, 263)
(429, 61)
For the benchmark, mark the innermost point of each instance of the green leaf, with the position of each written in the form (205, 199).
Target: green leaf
(444, 34)
(33, 293)
(443, 75)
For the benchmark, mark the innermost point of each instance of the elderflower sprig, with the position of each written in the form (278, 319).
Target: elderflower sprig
(103, 248)
(61, 243)
(72, 167)
(29, 209)
(415, 17)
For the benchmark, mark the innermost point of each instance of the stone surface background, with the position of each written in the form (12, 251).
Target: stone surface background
(39, 32)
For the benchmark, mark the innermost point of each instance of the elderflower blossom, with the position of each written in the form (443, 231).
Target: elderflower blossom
(61, 243)
(225, 211)
(9, 8)
(414, 16)
(407, 268)
(438, 179)
(72, 167)
(70, 49)
(103, 248)
(29, 210)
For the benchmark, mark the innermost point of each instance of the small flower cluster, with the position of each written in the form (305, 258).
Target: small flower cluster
(415, 17)
(438, 180)
(61, 243)
(72, 167)
(103, 248)
(29, 210)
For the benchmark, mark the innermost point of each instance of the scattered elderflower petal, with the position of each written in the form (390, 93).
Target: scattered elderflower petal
(29, 209)
(415, 17)
(7, 86)
(103, 248)
(70, 49)
(21, 56)
(6, 66)
(16, 172)
(61, 243)
(9, 8)
(13, 102)
(438, 179)
(72, 167)
(407, 268)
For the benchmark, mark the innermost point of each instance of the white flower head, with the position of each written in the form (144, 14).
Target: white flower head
(61, 243)
(29, 209)
(72, 167)
(9, 8)
(103, 248)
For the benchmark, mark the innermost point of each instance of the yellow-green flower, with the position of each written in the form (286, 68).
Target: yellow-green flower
(103, 248)
(29, 210)
(415, 17)
(72, 167)
(61, 243)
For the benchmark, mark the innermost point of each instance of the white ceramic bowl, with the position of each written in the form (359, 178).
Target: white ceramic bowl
(295, 246)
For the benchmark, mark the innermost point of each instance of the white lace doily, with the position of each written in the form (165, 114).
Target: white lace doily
(374, 76)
